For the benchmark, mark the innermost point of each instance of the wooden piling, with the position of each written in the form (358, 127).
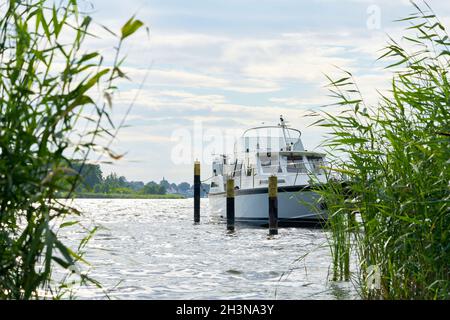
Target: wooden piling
(230, 205)
(273, 205)
(197, 184)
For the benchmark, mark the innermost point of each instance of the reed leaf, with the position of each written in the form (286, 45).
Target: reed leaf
(42, 111)
(389, 206)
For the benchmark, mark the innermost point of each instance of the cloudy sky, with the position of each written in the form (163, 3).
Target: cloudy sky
(211, 66)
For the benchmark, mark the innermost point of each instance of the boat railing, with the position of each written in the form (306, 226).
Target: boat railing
(269, 138)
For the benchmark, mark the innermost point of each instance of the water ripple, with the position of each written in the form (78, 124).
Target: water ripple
(150, 249)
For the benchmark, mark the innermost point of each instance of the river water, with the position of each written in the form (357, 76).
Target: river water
(150, 249)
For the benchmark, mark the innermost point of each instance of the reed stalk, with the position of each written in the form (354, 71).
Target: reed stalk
(389, 206)
(50, 88)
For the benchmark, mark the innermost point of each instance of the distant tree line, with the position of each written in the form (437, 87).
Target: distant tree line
(93, 181)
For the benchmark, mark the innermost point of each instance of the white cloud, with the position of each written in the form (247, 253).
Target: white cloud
(255, 65)
(226, 78)
(188, 79)
(301, 102)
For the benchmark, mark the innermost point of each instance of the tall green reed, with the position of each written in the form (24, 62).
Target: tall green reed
(50, 87)
(392, 211)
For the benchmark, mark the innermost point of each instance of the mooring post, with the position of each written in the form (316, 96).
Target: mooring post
(230, 205)
(197, 191)
(273, 205)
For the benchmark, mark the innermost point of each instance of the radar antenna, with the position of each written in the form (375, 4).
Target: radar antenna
(283, 125)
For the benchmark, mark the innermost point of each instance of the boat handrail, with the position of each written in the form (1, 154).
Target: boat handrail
(290, 143)
(267, 127)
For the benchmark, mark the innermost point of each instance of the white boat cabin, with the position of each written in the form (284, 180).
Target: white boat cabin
(265, 151)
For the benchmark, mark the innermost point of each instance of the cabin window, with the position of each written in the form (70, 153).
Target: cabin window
(269, 164)
(316, 163)
(295, 164)
(214, 185)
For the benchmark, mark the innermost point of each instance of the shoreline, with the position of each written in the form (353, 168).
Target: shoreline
(126, 196)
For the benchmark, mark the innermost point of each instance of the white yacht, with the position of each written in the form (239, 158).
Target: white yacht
(258, 154)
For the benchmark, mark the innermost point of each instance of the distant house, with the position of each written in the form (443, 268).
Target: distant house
(172, 189)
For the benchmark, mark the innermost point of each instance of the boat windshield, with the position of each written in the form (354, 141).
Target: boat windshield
(271, 138)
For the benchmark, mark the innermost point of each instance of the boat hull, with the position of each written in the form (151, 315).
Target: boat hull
(295, 207)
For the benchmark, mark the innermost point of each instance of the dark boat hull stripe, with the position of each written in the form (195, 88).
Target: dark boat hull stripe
(239, 192)
(287, 222)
